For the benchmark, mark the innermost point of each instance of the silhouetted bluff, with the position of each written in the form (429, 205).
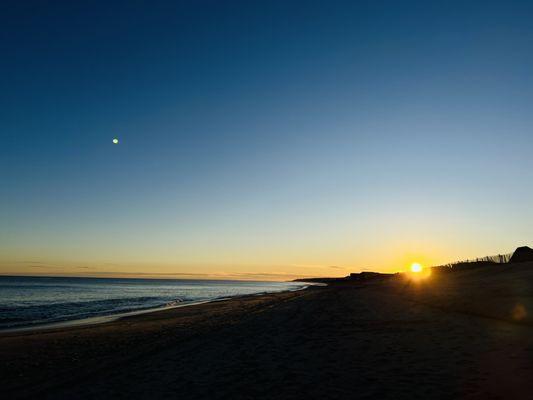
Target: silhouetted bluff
(522, 254)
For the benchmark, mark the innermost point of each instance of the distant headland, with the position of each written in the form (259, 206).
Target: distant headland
(520, 255)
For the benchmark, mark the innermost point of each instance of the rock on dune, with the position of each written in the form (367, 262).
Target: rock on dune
(522, 254)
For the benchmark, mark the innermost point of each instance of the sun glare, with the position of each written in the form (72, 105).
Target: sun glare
(416, 267)
(417, 273)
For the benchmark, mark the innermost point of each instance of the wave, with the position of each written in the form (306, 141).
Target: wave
(16, 315)
(27, 301)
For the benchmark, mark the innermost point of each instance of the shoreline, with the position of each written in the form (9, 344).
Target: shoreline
(97, 320)
(38, 362)
(103, 319)
(353, 338)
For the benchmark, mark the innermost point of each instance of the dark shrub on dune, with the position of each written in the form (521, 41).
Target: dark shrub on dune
(522, 254)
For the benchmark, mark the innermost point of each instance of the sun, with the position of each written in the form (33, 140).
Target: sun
(416, 267)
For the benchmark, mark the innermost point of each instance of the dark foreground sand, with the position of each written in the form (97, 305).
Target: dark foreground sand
(462, 335)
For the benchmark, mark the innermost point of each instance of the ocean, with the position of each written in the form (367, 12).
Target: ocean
(29, 301)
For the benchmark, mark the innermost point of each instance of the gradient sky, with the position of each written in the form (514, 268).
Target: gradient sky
(262, 140)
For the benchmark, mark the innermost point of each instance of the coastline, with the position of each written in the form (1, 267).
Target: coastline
(97, 320)
(35, 362)
(449, 337)
(106, 318)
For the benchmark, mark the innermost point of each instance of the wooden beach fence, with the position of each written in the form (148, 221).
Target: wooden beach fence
(477, 262)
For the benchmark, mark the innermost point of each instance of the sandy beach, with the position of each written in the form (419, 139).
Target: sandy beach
(464, 335)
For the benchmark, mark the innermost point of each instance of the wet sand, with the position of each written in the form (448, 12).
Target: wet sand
(463, 335)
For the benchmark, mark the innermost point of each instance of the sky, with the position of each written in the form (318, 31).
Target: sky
(262, 140)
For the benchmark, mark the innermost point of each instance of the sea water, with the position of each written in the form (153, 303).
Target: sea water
(29, 301)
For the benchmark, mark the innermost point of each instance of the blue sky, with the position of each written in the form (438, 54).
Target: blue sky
(280, 138)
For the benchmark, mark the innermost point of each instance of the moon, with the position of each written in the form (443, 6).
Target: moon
(115, 141)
